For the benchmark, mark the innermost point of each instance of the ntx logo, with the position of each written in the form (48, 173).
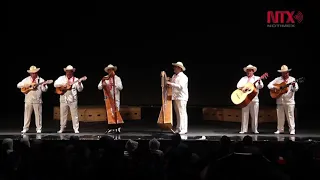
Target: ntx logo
(284, 18)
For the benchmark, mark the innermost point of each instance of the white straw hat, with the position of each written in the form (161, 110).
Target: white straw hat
(179, 64)
(33, 69)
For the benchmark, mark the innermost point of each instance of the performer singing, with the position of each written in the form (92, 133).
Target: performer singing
(33, 99)
(180, 96)
(252, 108)
(69, 98)
(286, 102)
(109, 84)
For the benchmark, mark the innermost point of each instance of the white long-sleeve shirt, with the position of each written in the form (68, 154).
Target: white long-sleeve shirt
(33, 97)
(244, 80)
(179, 83)
(287, 98)
(118, 86)
(71, 95)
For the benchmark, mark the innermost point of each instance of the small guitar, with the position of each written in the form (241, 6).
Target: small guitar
(34, 86)
(283, 88)
(242, 97)
(63, 89)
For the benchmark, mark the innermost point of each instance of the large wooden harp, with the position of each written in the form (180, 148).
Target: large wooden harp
(113, 115)
(165, 116)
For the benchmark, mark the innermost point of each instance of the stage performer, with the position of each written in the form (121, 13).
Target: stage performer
(251, 109)
(180, 96)
(286, 102)
(33, 99)
(69, 99)
(108, 82)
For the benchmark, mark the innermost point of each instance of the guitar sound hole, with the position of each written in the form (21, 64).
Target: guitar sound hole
(98, 114)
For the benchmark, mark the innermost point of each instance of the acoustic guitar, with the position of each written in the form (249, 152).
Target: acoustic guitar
(242, 97)
(63, 89)
(34, 86)
(283, 88)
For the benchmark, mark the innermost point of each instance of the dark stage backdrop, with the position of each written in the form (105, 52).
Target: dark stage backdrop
(214, 43)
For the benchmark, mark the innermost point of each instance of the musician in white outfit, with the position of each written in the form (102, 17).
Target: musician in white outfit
(180, 96)
(286, 102)
(33, 99)
(69, 99)
(110, 69)
(252, 108)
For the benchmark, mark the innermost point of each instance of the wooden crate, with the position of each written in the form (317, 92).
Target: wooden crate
(98, 113)
(56, 114)
(267, 115)
(95, 114)
(213, 114)
(270, 115)
(232, 114)
(130, 113)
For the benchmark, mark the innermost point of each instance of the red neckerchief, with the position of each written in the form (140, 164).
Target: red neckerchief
(34, 80)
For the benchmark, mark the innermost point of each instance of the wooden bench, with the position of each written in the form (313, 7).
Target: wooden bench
(233, 114)
(98, 113)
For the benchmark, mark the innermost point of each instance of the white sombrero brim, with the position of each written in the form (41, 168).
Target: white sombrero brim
(65, 69)
(284, 70)
(253, 68)
(179, 65)
(33, 71)
(107, 68)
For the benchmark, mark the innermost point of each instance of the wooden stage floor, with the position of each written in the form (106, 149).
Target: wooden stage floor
(144, 130)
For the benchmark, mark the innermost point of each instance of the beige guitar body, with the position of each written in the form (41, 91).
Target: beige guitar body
(243, 97)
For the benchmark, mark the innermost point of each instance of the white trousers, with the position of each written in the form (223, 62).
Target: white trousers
(283, 111)
(118, 105)
(251, 109)
(28, 108)
(180, 107)
(64, 115)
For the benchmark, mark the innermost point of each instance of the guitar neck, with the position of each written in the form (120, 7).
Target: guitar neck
(36, 85)
(79, 80)
(287, 85)
(41, 83)
(257, 81)
(74, 82)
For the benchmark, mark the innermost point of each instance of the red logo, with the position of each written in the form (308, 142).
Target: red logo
(284, 18)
